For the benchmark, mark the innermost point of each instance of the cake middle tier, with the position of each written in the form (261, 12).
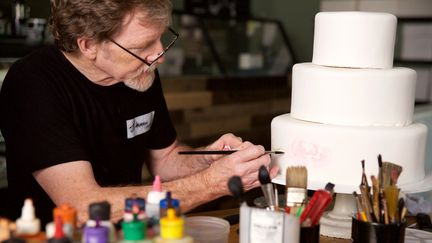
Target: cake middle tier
(353, 97)
(334, 153)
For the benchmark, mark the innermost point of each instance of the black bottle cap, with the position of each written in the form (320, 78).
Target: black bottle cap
(100, 211)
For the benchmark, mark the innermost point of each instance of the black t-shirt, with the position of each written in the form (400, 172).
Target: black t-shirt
(51, 114)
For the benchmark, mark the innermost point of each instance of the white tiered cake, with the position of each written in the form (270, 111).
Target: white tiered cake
(349, 105)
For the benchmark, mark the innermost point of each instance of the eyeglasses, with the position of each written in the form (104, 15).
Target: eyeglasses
(159, 55)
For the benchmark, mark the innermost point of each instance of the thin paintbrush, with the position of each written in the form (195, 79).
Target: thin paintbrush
(296, 184)
(221, 152)
(365, 195)
(375, 199)
(360, 211)
(380, 172)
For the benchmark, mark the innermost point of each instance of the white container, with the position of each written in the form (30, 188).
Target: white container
(207, 229)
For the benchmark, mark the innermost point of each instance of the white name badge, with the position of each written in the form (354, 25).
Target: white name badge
(139, 125)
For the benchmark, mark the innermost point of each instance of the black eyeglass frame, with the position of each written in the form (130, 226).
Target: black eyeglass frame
(176, 35)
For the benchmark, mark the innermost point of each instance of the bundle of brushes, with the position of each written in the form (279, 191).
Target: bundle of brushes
(383, 205)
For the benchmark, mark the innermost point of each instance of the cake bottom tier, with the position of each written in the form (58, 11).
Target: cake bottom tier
(334, 153)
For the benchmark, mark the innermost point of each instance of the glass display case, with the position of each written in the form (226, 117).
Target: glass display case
(219, 47)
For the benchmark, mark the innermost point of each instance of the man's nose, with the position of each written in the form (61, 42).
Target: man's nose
(157, 54)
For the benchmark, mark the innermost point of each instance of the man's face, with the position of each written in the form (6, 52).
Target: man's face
(139, 37)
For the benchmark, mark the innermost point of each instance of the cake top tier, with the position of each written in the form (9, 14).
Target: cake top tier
(354, 39)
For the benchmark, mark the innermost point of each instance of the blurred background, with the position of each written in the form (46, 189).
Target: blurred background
(230, 70)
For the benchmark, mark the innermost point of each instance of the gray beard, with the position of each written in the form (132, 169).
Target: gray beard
(141, 85)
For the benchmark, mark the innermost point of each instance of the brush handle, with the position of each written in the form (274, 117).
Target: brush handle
(220, 152)
(269, 195)
(365, 200)
(318, 203)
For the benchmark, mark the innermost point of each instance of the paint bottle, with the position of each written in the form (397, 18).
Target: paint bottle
(96, 234)
(101, 211)
(68, 216)
(134, 206)
(28, 224)
(135, 231)
(169, 202)
(59, 236)
(153, 199)
(172, 229)
(6, 229)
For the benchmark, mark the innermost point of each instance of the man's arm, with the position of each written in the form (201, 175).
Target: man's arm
(74, 182)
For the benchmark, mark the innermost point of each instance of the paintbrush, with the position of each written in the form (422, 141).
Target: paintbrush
(400, 208)
(384, 209)
(267, 187)
(235, 186)
(296, 184)
(361, 213)
(380, 172)
(316, 206)
(391, 193)
(376, 200)
(197, 152)
(365, 194)
(387, 170)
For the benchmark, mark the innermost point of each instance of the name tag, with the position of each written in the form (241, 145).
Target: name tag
(139, 125)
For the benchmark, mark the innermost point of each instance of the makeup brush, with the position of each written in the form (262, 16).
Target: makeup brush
(296, 184)
(235, 186)
(267, 187)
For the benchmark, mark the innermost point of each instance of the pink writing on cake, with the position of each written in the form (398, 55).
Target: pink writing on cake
(308, 153)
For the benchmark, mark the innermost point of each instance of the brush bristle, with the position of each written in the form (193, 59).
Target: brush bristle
(391, 173)
(263, 175)
(235, 186)
(329, 187)
(296, 176)
(379, 161)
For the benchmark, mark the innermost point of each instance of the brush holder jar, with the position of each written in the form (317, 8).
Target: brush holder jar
(366, 232)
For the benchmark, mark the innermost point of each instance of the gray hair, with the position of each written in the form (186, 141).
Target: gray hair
(99, 19)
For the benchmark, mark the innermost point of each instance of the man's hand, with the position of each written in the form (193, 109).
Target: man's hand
(225, 142)
(244, 163)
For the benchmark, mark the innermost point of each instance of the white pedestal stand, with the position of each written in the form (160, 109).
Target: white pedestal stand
(337, 223)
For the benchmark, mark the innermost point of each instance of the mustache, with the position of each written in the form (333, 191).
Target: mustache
(152, 67)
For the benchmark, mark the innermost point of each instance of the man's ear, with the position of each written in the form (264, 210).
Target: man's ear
(88, 47)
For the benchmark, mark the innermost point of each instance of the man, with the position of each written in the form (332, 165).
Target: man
(80, 118)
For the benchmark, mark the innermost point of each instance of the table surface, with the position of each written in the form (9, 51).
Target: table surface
(234, 236)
